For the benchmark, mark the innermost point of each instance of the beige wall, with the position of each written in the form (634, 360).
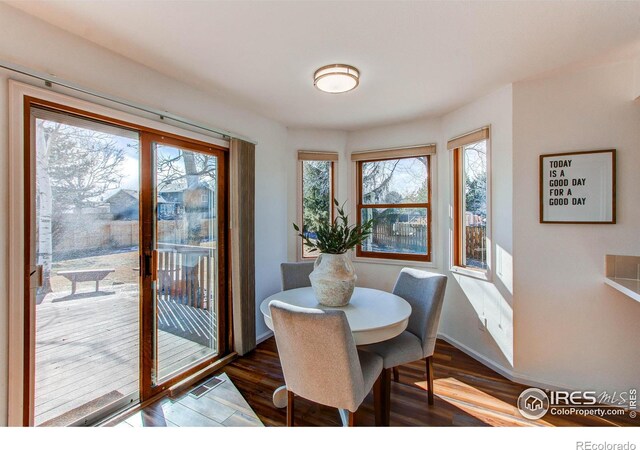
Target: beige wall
(34, 44)
(570, 328)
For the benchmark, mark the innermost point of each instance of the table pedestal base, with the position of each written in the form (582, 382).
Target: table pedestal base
(280, 397)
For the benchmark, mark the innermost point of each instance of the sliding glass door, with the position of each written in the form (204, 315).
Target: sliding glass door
(127, 249)
(187, 267)
(87, 252)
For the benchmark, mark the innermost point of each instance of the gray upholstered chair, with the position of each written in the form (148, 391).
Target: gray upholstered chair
(320, 361)
(425, 292)
(295, 275)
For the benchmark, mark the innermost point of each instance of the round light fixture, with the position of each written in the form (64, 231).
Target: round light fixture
(336, 78)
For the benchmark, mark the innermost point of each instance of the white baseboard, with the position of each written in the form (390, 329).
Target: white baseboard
(510, 374)
(263, 337)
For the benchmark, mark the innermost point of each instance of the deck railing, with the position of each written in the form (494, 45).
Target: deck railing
(187, 274)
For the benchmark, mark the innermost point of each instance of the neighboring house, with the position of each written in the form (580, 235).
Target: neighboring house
(169, 210)
(124, 204)
(198, 199)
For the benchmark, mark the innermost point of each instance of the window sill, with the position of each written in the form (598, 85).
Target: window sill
(394, 262)
(479, 274)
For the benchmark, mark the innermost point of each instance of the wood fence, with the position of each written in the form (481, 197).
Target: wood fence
(401, 237)
(187, 275)
(78, 234)
(475, 243)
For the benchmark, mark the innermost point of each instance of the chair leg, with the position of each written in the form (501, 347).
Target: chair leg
(396, 375)
(380, 400)
(352, 419)
(290, 408)
(386, 397)
(429, 365)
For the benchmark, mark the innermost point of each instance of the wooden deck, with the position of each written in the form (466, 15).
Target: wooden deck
(87, 350)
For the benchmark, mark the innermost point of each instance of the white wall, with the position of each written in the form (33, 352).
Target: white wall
(468, 300)
(34, 44)
(571, 329)
(636, 78)
(471, 300)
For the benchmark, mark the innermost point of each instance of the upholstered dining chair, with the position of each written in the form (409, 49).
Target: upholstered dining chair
(320, 361)
(425, 292)
(295, 275)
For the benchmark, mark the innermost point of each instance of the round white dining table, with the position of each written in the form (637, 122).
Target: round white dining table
(373, 315)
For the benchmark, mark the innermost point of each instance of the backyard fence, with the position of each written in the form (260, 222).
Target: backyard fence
(475, 243)
(78, 234)
(402, 237)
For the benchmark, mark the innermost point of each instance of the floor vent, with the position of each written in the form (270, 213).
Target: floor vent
(205, 387)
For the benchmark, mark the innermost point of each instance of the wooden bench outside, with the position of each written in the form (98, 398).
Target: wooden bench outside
(76, 276)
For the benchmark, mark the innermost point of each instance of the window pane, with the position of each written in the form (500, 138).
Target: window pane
(316, 198)
(397, 230)
(87, 311)
(475, 202)
(187, 259)
(395, 181)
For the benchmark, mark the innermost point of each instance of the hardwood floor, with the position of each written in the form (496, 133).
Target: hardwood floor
(467, 393)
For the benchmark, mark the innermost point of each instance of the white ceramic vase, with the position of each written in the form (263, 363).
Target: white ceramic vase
(333, 279)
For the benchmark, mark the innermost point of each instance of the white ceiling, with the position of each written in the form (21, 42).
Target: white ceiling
(416, 59)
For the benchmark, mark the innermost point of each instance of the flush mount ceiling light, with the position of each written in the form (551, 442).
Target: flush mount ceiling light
(336, 78)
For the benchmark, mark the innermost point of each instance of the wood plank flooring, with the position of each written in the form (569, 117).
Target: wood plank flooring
(87, 348)
(467, 393)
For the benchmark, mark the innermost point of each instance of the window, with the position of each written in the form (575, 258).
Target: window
(471, 198)
(394, 189)
(317, 172)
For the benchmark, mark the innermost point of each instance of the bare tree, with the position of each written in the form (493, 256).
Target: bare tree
(83, 165)
(75, 166)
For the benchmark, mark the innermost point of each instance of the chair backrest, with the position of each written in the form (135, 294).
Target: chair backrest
(295, 275)
(425, 292)
(318, 355)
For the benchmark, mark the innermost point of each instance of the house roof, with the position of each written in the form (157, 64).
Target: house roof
(132, 193)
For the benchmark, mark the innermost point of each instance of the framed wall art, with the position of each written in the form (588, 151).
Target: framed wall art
(578, 187)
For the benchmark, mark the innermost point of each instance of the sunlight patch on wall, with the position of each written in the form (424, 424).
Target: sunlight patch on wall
(495, 314)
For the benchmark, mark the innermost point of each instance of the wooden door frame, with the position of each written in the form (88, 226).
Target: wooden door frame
(148, 241)
(22, 97)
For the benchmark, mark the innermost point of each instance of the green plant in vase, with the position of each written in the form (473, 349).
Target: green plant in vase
(333, 278)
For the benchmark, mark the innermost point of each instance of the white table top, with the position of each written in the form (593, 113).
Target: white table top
(373, 315)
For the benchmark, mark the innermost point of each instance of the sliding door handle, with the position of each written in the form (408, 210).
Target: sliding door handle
(154, 265)
(37, 277)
